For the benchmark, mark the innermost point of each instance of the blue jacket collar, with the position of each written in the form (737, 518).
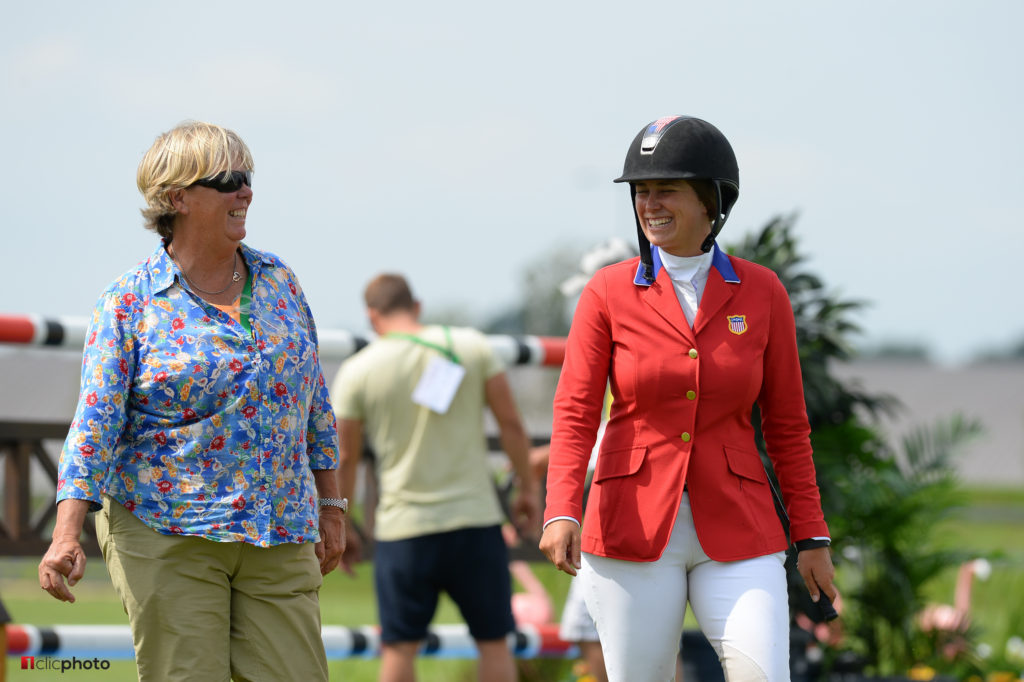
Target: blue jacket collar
(719, 261)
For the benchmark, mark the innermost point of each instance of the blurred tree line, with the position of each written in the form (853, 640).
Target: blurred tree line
(882, 502)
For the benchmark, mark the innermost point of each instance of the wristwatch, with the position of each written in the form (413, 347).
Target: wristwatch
(340, 503)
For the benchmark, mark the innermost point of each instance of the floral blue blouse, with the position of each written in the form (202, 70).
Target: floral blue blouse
(192, 423)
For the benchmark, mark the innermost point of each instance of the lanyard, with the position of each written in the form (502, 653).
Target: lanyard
(448, 352)
(245, 304)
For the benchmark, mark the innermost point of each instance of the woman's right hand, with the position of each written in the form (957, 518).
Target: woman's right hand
(65, 559)
(561, 544)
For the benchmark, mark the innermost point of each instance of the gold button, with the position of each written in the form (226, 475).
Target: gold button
(690, 395)
(685, 437)
(693, 353)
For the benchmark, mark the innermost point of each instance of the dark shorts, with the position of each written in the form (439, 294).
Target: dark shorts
(470, 564)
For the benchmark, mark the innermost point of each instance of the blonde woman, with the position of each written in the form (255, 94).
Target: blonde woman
(204, 440)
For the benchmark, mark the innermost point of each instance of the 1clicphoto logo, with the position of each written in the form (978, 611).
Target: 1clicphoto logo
(64, 664)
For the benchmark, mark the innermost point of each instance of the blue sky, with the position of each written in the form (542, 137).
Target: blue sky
(458, 142)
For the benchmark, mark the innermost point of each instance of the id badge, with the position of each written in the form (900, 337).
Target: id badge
(436, 388)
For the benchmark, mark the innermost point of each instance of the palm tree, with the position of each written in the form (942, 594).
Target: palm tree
(882, 504)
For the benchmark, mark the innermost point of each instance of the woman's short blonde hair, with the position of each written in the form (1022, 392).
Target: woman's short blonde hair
(190, 151)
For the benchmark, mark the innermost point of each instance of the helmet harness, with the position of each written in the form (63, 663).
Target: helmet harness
(683, 148)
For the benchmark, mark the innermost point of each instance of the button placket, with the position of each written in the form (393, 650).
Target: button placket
(690, 395)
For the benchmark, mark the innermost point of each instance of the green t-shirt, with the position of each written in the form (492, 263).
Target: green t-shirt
(432, 468)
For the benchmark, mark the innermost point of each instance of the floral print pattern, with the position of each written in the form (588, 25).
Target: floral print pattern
(192, 423)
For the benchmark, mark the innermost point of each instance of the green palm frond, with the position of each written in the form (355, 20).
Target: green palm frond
(882, 504)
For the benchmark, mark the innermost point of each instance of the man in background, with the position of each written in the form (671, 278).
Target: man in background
(417, 394)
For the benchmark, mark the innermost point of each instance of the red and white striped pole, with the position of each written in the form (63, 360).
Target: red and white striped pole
(335, 344)
(34, 330)
(114, 642)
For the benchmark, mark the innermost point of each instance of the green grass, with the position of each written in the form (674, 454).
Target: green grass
(343, 601)
(28, 604)
(348, 601)
(991, 524)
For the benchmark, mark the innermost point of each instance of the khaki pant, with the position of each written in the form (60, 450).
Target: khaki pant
(203, 610)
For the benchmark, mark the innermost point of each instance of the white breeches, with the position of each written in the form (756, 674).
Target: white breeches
(741, 606)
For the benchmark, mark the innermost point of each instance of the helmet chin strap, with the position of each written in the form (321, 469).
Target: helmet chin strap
(646, 259)
(716, 227)
(645, 255)
(709, 241)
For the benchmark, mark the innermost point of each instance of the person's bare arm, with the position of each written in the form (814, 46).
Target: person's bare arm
(516, 444)
(350, 443)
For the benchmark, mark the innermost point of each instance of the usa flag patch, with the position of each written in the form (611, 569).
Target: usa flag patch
(737, 323)
(652, 136)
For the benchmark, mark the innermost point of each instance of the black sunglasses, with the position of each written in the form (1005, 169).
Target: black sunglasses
(228, 181)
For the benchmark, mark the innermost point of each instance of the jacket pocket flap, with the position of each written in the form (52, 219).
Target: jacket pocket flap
(620, 462)
(746, 463)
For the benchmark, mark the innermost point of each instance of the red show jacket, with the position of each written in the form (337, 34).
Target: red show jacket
(681, 409)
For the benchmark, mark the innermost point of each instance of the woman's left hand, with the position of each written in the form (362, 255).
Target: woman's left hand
(815, 567)
(332, 539)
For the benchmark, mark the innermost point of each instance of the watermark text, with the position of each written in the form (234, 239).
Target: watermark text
(63, 664)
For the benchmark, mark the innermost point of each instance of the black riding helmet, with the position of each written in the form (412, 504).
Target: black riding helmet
(682, 148)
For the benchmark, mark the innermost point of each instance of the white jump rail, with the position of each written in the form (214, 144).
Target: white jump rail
(114, 642)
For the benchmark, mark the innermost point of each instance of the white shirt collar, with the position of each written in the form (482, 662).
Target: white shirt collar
(687, 268)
